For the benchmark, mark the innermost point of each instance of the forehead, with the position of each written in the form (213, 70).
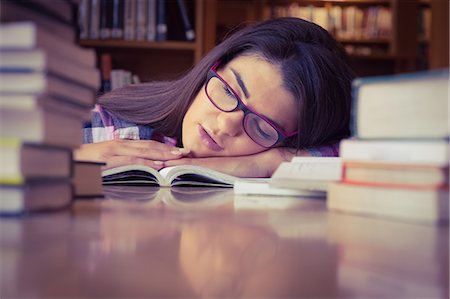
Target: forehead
(264, 83)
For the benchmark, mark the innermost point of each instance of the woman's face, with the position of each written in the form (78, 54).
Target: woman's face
(208, 131)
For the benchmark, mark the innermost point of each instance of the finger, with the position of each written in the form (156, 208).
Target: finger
(148, 152)
(117, 161)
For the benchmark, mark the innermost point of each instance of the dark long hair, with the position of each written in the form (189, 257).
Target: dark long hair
(314, 69)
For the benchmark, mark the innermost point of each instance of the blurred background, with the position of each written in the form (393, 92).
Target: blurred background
(144, 40)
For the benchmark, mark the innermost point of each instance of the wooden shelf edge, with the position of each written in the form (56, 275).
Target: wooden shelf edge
(364, 40)
(166, 45)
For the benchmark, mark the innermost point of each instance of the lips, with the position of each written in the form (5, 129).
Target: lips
(208, 140)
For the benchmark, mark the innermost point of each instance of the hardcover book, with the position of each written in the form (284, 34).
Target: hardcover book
(28, 35)
(41, 61)
(21, 161)
(396, 174)
(405, 106)
(427, 152)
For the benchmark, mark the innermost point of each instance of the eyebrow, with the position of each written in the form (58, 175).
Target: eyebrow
(240, 82)
(246, 94)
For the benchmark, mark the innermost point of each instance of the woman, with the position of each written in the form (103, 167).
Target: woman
(268, 92)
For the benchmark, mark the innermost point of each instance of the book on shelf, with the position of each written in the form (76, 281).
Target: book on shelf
(37, 60)
(161, 22)
(21, 161)
(35, 196)
(87, 178)
(30, 102)
(396, 174)
(151, 20)
(434, 152)
(402, 106)
(117, 19)
(106, 15)
(261, 186)
(188, 30)
(181, 175)
(129, 20)
(38, 82)
(84, 18)
(426, 205)
(28, 35)
(41, 126)
(120, 78)
(14, 11)
(141, 20)
(307, 173)
(94, 19)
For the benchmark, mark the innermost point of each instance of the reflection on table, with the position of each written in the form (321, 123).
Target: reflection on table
(202, 243)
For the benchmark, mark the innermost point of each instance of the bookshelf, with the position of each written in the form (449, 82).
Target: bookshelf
(157, 60)
(404, 48)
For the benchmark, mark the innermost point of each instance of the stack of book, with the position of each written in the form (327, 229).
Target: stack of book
(47, 89)
(397, 164)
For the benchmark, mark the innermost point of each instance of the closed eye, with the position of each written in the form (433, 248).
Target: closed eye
(228, 92)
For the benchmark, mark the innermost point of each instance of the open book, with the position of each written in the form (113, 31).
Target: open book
(181, 175)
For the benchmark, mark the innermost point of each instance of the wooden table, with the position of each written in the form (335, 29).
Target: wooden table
(141, 242)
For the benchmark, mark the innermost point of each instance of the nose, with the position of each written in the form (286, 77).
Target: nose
(230, 123)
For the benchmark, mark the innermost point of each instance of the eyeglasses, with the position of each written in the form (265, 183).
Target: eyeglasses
(258, 128)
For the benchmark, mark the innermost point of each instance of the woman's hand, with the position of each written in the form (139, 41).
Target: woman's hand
(124, 152)
(257, 165)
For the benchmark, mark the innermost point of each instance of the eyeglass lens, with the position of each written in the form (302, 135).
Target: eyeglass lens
(258, 129)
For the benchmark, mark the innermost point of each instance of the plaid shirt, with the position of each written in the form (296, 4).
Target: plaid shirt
(105, 126)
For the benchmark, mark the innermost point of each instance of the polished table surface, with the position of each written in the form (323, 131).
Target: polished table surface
(145, 242)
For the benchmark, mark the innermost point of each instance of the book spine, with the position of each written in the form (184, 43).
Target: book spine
(189, 31)
(161, 25)
(105, 19)
(95, 19)
(151, 20)
(141, 19)
(130, 20)
(117, 19)
(83, 19)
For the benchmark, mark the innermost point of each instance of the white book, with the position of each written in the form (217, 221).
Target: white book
(182, 175)
(261, 186)
(307, 173)
(405, 106)
(28, 35)
(427, 152)
(38, 60)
